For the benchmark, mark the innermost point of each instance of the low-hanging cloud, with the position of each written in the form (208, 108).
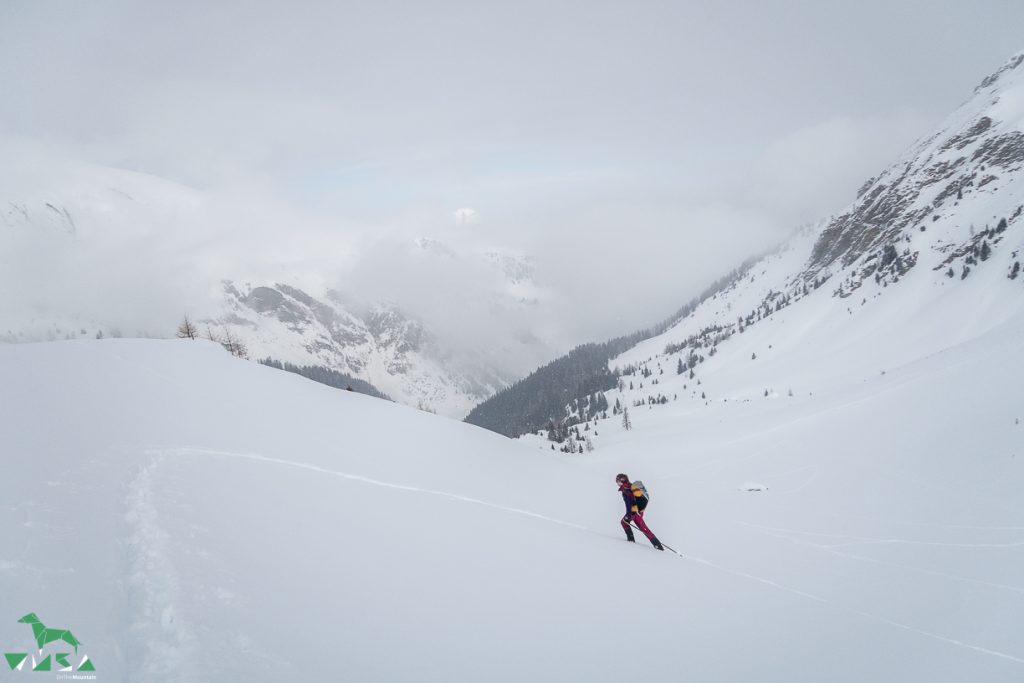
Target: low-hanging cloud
(631, 155)
(815, 171)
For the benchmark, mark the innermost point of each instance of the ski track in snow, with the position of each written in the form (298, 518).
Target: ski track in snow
(865, 540)
(851, 610)
(364, 480)
(926, 525)
(696, 560)
(164, 645)
(973, 527)
(895, 565)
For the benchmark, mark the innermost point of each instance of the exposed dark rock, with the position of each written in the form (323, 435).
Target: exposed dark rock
(266, 300)
(865, 187)
(1005, 150)
(1014, 62)
(968, 136)
(888, 255)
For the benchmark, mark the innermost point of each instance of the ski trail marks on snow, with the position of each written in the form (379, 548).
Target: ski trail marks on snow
(366, 480)
(751, 577)
(527, 513)
(897, 565)
(851, 610)
(865, 540)
(165, 645)
(783, 535)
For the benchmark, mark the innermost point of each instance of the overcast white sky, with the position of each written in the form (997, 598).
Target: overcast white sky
(636, 149)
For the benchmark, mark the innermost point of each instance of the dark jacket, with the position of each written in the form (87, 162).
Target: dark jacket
(626, 489)
(634, 503)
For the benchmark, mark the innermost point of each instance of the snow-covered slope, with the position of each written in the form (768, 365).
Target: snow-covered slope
(194, 517)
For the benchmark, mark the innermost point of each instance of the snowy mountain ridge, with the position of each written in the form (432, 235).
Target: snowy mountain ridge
(944, 220)
(925, 259)
(951, 180)
(395, 354)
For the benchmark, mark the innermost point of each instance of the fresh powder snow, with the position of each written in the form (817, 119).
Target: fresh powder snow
(190, 516)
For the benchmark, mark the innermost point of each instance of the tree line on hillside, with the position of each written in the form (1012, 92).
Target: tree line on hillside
(542, 398)
(331, 378)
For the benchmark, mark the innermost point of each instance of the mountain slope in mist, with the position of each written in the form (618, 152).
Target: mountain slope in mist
(177, 252)
(927, 256)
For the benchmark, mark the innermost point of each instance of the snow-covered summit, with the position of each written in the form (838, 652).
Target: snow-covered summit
(949, 187)
(1012, 63)
(925, 258)
(94, 202)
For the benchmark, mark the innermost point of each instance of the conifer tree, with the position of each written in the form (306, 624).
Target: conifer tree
(187, 329)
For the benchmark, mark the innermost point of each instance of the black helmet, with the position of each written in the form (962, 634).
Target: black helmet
(621, 478)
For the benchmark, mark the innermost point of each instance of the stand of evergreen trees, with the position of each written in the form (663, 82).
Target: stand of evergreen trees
(529, 404)
(331, 378)
(541, 398)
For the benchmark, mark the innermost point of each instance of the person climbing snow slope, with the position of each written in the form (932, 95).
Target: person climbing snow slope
(635, 498)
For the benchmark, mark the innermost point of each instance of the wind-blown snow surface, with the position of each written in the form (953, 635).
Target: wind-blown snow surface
(193, 517)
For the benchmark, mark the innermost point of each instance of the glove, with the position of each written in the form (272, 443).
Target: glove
(626, 519)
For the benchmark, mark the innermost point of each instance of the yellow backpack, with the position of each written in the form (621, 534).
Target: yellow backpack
(640, 493)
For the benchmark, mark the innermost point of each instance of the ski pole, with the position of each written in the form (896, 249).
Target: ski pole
(666, 546)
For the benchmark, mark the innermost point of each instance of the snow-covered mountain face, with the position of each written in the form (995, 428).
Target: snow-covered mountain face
(380, 343)
(954, 187)
(927, 257)
(382, 346)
